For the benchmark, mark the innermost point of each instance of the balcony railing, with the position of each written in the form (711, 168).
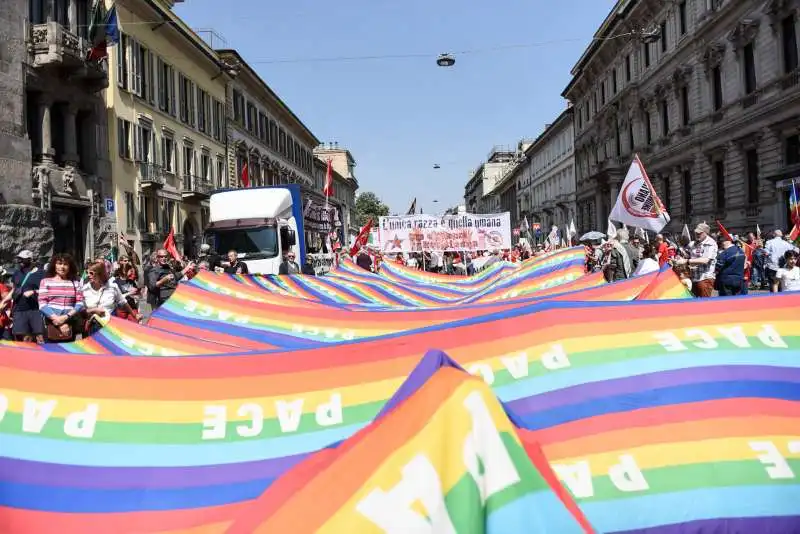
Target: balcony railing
(151, 175)
(195, 186)
(54, 46)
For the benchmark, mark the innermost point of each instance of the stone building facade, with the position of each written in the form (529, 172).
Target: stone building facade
(550, 187)
(480, 195)
(345, 184)
(707, 92)
(54, 156)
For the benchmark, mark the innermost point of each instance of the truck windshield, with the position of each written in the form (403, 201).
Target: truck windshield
(250, 243)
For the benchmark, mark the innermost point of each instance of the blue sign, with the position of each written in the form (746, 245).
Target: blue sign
(110, 207)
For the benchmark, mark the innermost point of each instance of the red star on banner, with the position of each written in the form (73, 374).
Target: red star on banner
(397, 242)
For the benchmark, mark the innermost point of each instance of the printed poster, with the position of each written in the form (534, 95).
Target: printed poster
(447, 233)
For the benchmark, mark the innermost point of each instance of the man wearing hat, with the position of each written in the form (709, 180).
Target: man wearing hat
(702, 262)
(24, 295)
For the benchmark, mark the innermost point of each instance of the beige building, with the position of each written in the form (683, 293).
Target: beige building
(480, 195)
(166, 105)
(550, 189)
(345, 183)
(706, 91)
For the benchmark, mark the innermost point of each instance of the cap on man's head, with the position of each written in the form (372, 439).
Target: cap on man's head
(702, 228)
(25, 255)
(205, 247)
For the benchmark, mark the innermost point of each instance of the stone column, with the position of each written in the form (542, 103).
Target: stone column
(613, 194)
(46, 151)
(72, 16)
(71, 157)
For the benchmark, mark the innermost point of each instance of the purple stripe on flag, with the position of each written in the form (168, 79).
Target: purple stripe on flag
(638, 383)
(736, 525)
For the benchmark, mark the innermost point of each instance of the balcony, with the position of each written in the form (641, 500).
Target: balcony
(151, 176)
(54, 48)
(194, 187)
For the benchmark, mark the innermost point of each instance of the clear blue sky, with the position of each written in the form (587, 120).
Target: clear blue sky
(401, 116)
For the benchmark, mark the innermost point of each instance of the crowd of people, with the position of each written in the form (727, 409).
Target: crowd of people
(711, 262)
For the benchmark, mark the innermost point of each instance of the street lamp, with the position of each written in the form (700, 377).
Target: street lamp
(436, 166)
(445, 60)
(650, 36)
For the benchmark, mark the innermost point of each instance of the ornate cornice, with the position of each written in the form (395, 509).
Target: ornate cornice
(744, 33)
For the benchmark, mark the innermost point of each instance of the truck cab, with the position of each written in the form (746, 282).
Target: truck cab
(260, 223)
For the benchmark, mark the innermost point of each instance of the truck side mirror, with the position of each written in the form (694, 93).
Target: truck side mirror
(288, 237)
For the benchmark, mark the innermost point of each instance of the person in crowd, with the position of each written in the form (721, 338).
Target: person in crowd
(399, 259)
(363, 259)
(102, 298)
(308, 267)
(616, 262)
(235, 266)
(648, 264)
(5, 304)
(289, 265)
(126, 278)
(22, 300)
(61, 299)
(684, 275)
(163, 278)
(633, 254)
(702, 261)
(758, 258)
(662, 249)
(787, 278)
(730, 268)
(776, 249)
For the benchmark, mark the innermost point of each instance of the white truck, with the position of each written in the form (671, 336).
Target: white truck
(260, 223)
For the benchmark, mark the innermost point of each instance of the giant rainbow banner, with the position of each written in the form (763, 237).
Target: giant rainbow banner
(288, 404)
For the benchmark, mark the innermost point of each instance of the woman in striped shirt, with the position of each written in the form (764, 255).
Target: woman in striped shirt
(60, 295)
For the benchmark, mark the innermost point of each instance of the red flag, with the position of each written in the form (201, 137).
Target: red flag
(794, 235)
(245, 175)
(362, 238)
(328, 189)
(724, 231)
(169, 245)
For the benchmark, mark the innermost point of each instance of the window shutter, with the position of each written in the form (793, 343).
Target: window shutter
(120, 52)
(137, 144)
(172, 107)
(121, 138)
(151, 77)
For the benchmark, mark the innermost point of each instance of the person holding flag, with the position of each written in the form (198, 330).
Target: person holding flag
(163, 278)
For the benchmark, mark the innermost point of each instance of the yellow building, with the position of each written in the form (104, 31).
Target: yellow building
(166, 106)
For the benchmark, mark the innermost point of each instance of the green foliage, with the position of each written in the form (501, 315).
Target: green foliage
(369, 205)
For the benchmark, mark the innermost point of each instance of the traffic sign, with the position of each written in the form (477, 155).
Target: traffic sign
(110, 205)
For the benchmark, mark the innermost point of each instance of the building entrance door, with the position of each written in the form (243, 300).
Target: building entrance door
(68, 232)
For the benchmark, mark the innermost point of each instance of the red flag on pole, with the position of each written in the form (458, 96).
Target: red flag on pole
(328, 189)
(245, 175)
(724, 231)
(170, 246)
(362, 238)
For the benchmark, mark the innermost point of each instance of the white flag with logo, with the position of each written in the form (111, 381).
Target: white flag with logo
(638, 204)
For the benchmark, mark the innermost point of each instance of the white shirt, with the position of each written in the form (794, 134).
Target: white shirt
(107, 297)
(790, 278)
(646, 266)
(704, 249)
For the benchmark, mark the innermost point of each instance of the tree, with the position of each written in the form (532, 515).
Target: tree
(368, 205)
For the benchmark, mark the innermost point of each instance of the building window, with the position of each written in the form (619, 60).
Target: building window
(188, 160)
(719, 184)
(238, 107)
(682, 18)
(273, 134)
(282, 141)
(792, 155)
(618, 140)
(603, 93)
(628, 68)
(665, 199)
(221, 172)
(130, 212)
(205, 166)
(168, 153)
(202, 111)
(122, 61)
(716, 87)
(142, 140)
(138, 68)
(648, 129)
(664, 37)
(263, 127)
(218, 120)
(789, 37)
(142, 218)
(252, 119)
(749, 58)
(687, 193)
(124, 138)
(614, 80)
(186, 99)
(646, 56)
(751, 158)
(685, 114)
(166, 88)
(631, 140)
(664, 118)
